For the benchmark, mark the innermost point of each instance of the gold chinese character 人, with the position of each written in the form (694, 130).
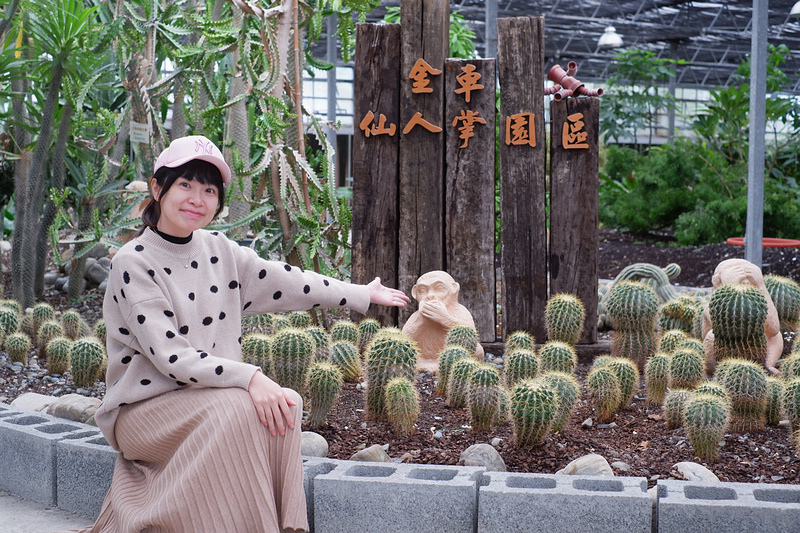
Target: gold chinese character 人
(468, 81)
(419, 73)
(418, 120)
(520, 129)
(369, 128)
(572, 134)
(468, 118)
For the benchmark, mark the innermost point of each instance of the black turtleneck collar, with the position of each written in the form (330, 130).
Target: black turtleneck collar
(173, 239)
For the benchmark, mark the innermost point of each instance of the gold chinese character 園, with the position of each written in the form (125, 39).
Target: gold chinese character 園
(419, 73)
(572, 134)
(468, 118)
(369, 128)
(468, 81)
(418, 120)
(520, 129)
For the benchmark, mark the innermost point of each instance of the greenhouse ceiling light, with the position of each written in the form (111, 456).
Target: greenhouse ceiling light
(795, 12)
(611, 39)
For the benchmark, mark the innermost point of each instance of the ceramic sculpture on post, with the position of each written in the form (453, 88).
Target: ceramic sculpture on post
(437, 295)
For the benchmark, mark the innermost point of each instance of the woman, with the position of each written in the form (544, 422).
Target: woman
(207, 442)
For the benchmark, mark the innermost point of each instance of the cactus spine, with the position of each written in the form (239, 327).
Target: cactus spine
(87, 358)
(42, 312)
(344, 330)
(74, 325)
(299, 319)
(256, 351)
(345, 356)
(463, 335)
(790, 368)
(605, 391)
(402, 404)
(324, 383)
(628, 375)
(738, 313)
(687, 369)
(257, 324)
(705, 418)
(519, 365)
(785, 294)
(520, 340)
(746, 385)
(679, 313)
(279, 322)
(292, 355)
(564, 315)
(670, 340)
(58, 355)
(367, 329)
(713, 388)
(18, 345)
(483, 396)
(389, 355)
(503, 407)
(458, 380)
(656, 378)
(533, 408)
(557, 356)
(568, 392)
(632, 308)
(447, 358)
(674, 403)
(48, 331)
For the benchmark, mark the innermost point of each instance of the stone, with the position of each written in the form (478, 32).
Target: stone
(693, 472)
(74, 407)
(97, 273)
(313, 444)
(32, 401)
(374, 454)
(59, 283)
(587, 423)
(483, 455)
(621, 466)
(588, 465)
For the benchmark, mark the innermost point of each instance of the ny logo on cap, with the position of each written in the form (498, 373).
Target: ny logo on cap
(202, 146)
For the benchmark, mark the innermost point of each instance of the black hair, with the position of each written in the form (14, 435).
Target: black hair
(196, 169)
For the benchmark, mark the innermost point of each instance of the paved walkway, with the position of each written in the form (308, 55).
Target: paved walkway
(24, 516)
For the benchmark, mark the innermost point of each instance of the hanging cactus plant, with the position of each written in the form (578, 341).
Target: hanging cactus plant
(656, 378)
(705, 418)
(564, 316)
(687, 369)
(632, 308)
(746, 385)
(605, 391)
(58, 355)
(533, 409)
(738, 313)
(324, 382)
(345, 356)
(463, 335)
(519, 365)
(389, 355)
(87, 358)
(568, 392)
(785, 294)
(555, 356)
(292, 356)
(402, 404)
(483, 396)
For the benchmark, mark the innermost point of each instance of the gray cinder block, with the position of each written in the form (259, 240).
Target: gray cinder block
(313, 467)
(84, 470)
(28, 453)
(560, 503)
(396, 498)
(689, 507)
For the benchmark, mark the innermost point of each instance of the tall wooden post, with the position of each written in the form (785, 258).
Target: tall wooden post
(375, 160)
(520, 59)
(469, 190)
(574, 240)
(424, 28)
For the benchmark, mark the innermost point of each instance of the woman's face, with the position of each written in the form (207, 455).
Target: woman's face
(186, 206)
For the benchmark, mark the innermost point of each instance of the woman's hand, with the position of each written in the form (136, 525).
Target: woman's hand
(379, 294)
(271, 404)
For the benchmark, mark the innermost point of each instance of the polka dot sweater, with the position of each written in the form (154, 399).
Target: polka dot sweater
(173, 314)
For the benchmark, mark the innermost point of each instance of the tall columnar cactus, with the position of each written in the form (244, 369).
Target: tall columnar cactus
(674, 403)
(746, 385)
(402, 404)
(345, 356)
(87, 358)
(42, 312)
(449, 355)
(785, 294)
(520, 365)
(568, 391)
(790, 368)
(656, 378)
(670, 340)
(18, 345)
(705, 418)
(774, 398)
(9, 322)
(292, 355)
(687, 369)
(564, 315)
(790, 402)
(47, 331)
(58, 355)
(738, 313)
(389, 355)
(463, 335)
(299, 319)
(679, 313)
(555, 356)
(367, 329)
(483, 396)
(344, 330)
(457, 383)
(324, 383)
(99, 330)
(74, 325)
(256, 351)
(605, 391)
(628, 375)
(322, 342)
(520, 340)
(533, 409)
(632, 308)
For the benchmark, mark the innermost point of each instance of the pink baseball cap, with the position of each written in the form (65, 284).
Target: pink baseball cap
(185, 149)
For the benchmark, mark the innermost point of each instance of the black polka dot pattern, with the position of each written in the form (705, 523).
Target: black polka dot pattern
(214, 260)
(173, 358)
(194, 265)
(168, 270)
(343, 302)
(126, 277)
(139, 248)
(207, 321)
(140, 319)
(191, 296)
(170, 334)
(214, 289)
(126, 359)
(218, 370)
(262, 274)
(222, 315)
(233, 285)
(145, 382)
(168, 313)
(184, 330)
(287, 268)
(277, 295)
(124, 331)
(151, 273)
(306, 289)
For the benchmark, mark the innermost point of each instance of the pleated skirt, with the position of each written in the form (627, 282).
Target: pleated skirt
(199, 460)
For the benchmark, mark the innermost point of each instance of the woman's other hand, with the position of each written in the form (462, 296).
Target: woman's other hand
(382, 295)
(271, 404)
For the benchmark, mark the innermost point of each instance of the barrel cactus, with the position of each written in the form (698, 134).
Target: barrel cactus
(670, 340)
(520, 365)
(367, 329)
(292, 355)
(520, 339)
(628, 375)
(674, 403)
(74, 324)
(27, 325)
(449, 355)
(256, 351)
(632, 308)
(42, 312)
(300, 319)
(774, 399)
(568, 392)
(11, 304)
(687, 369)
(555, 356)
(345, 356)
(790, 368)
(18, 345)
(99, 330)
(564, 316)
(261, 323)
(785, 295)
(713, 388)
(322, 342)
(705, 418)
(324, 382)
(483, 396)
(746, 385)
(9, 322)
(503, 407)
(58, 355)
(679, 313)
(601, 360)
(389, 355)
(790, 402)
(533, 409)
(344, 330)
(463, 335)
(457, 383)
(87, 358)
(402, 404)
(656, 378)
(48, 331)
(279, 322)
(693, 344)
(605, 392)
(738, 312)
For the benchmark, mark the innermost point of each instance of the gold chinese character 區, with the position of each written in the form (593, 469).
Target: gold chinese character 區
(572, 134)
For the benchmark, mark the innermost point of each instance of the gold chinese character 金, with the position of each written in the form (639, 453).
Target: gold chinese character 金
(468, 120)
(468, 81)
(419, 73)
(520, 129)
(572, 134)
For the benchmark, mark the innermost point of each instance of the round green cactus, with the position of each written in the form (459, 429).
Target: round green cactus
(292, 355)
(18, 345)
(300, 319)
(628, 375)
(345, 355)
(656, 378)
(520, 340)
(9, 322)
(367, 329)
(605, 391)
(322, 342)
(705, 418)
(738, 312)
(713, 388)
(324, 382)
(674, 403)
(47, 331)
(632, 308)
(519, 365)
(463, 335)
(58, 355)
(256, 350)
(449, 355)
(785, 294)
(687, 369)
(278, 322)
(99, 330)
(555, 356)
(568, 392)
(261, 323)
(74, 325)
(601, 360)
(679, 313)
(42, 312)
(533, 408)
(790, 368)
(12, 304)
(344, 330)
(774, 398)
(483, 396)
(693, 344)
(389, 355)
(87, 358)
(790, 402)
(26, 325)
(564, 316)
(402, 404)
(670, 340)
(457, 382)
(746, 385)
(503, 407)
